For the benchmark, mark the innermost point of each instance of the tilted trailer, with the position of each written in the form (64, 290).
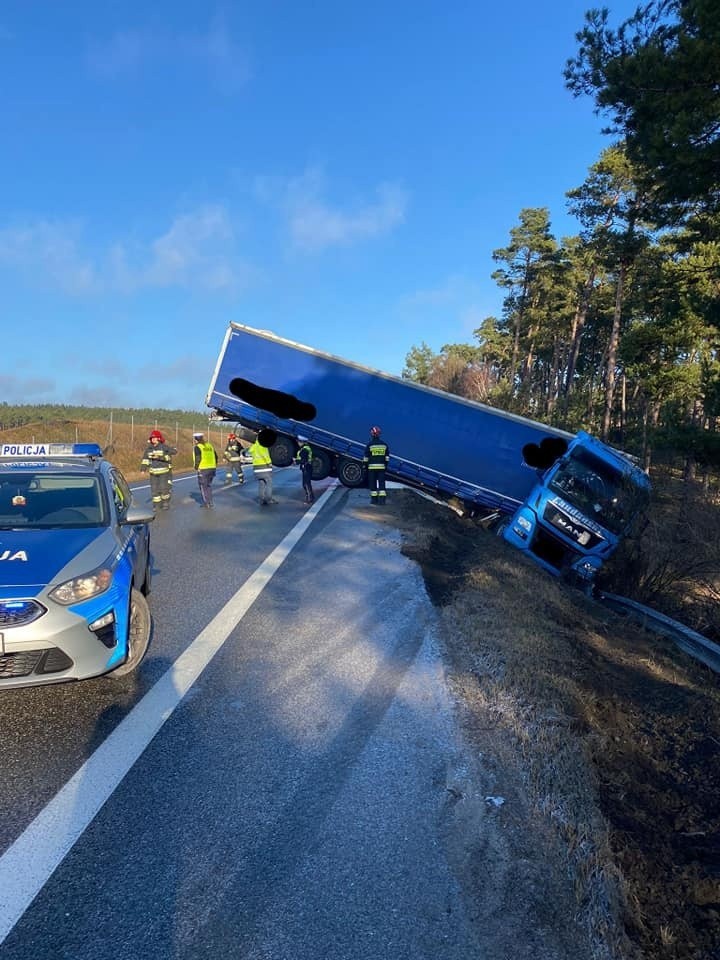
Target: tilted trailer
(566, 499)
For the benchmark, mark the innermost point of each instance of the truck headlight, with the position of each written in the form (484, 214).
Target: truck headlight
(524, 523)
(82, 588)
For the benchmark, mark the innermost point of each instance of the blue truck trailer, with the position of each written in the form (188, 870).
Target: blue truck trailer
(565, 499)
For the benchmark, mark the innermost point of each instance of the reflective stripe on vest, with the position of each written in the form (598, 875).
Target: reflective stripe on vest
(377, 459)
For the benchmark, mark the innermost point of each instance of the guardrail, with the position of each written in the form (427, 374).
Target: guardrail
(688, 640)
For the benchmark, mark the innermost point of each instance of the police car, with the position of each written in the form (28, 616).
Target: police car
(75, 566)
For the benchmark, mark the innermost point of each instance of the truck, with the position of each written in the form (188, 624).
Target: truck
(564, 499)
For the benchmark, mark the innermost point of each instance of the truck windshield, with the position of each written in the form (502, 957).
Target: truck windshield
(39, 500)
(598, 490)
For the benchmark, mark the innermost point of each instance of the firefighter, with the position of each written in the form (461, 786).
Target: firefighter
(205, 462)
(157, 461)
(233, 458)
(304, 457)
(377, 456)
(262, 468)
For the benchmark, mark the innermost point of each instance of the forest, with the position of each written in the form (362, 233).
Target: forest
(616, 329)
(18, 415)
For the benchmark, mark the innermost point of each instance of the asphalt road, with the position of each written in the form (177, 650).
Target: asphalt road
(274, 784)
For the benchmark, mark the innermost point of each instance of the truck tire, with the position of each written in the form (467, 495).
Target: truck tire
(282, 451)
(320, 465)
(350, 472)
(139, 630)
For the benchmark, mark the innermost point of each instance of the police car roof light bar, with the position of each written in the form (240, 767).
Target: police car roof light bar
(25, 451)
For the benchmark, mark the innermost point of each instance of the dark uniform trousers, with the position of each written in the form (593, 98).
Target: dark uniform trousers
(376, 457)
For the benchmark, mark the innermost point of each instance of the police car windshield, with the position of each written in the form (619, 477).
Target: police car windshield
(36, 499)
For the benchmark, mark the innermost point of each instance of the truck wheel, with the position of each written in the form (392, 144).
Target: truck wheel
(350, 472)
(282, 451)
(138, 635)
(320, 465)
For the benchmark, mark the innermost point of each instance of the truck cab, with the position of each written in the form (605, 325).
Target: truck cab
(582, 506)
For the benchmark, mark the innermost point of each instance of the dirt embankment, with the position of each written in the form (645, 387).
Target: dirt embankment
(612, 733)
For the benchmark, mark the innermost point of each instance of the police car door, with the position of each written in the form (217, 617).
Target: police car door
(134, 538)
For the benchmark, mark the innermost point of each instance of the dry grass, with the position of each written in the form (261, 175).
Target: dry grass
(610, 731)
(674, 565)
(518, 645)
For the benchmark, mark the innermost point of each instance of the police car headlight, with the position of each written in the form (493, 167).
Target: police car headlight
(82, 588)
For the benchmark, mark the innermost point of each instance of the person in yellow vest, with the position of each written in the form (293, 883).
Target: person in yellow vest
(205, 462)
(262, 468)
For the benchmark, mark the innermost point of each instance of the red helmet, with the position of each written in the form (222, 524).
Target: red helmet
(375, 431)
(156, 435)
(231, 436)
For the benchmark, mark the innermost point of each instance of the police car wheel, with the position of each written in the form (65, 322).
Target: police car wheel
(138, 634)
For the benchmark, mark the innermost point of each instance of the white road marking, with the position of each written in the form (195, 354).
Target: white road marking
(27, 865)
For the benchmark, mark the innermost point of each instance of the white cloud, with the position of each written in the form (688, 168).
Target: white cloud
(228, 63)
(314, 224)
(459, 303)
(108, 381)
(197, 251)
(49, 251)
(102, 396)
(17, 389)
(215, 50)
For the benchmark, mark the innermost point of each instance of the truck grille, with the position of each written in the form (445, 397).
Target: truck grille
(25, 662)
(572, 527)
(17, 613)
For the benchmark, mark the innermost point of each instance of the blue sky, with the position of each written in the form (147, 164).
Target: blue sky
(336, 173)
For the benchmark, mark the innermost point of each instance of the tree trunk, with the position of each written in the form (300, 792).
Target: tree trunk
(553, 391)
(612, 354)
(646, 452)
(577, 331)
